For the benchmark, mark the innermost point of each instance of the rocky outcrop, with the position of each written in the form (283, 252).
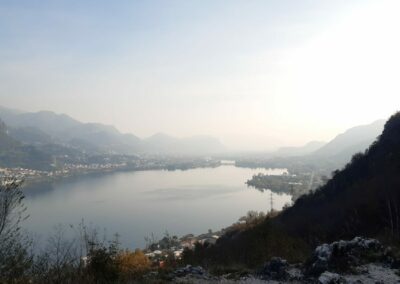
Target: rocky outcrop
(330, 278)
(275, 269)
(279, 269)
(342, 256)
(360, 260)
(192, 272)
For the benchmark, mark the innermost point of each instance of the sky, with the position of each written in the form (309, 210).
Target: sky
(255, 74)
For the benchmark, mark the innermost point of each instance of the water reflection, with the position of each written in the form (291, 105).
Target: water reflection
(135, 204)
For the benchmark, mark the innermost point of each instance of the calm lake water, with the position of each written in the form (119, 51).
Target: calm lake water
(136, 204)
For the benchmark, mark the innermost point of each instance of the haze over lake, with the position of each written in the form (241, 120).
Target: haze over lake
(136, 204)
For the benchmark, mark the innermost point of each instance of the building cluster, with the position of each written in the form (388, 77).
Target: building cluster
(172, 247)
(93, 167)
(107, 164)
(21, 173)
(65, 171)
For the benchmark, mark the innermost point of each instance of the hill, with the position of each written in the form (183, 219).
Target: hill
(6, 142)
(30, 135)
(361, 199)
(62, 129)
(299, 151)
(15, 154)
(346, 144)
(316, 156)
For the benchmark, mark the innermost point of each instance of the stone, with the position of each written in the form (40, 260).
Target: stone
(342, 255)
(275, 269)
(329, 278)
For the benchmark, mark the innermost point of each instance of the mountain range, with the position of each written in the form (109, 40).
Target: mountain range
(46, 130)
(45, 127)
(341, 147)
(331, 155)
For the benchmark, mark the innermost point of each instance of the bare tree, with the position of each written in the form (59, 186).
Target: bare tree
(14, 256)
(12, 209)
(62, 254)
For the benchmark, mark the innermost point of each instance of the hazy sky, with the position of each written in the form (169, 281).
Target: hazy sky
(255, 74)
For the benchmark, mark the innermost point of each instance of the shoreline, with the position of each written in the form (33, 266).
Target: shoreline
(34, 180)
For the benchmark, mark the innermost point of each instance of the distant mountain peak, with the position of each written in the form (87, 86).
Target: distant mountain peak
(358, 137)
(66, 130)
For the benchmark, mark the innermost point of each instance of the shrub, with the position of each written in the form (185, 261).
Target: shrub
(132, 265)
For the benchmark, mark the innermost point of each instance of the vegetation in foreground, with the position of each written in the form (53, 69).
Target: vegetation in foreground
(85, 258)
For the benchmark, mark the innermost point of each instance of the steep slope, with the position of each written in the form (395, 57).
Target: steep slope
(49, 122)
(14, 154)
(337, 152)
(6, 142)
(325, 159)
(354, 139)
(362, 199)
(30, 135)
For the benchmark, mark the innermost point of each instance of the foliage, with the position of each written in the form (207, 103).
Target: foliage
(295, 185)
(102, 266)
(248, 243)
(14, 256)
(12, 209)
(132, 264)
(363, 198)
(77, 255)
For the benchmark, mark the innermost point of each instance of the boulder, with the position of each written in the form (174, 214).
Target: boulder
(190, 271)
(275, 269)
(330, 278)
(343, 255)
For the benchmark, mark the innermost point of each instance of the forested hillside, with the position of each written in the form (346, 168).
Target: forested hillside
(363, 198)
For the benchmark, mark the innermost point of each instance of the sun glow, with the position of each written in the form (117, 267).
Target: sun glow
(352, 69)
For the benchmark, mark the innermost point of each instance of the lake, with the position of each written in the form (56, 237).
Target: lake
(136, 204)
